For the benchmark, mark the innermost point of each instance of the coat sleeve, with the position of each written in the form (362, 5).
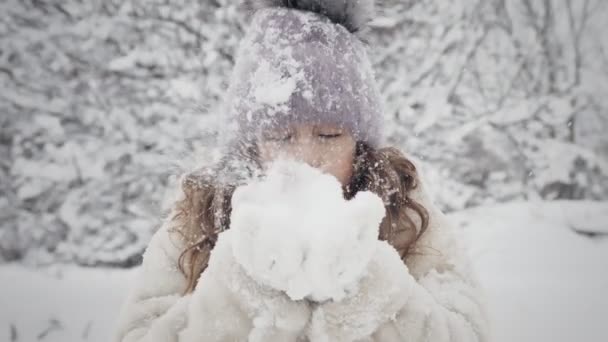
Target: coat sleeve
(156, 309)
(444, 301)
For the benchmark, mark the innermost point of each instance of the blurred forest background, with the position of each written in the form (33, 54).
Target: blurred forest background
(100, 99)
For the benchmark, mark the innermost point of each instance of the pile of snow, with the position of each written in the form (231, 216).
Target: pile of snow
(295, 232)
(544, 266)
(60, 304)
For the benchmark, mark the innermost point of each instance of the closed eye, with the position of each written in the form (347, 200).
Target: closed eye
(279, 138)
(330, 136)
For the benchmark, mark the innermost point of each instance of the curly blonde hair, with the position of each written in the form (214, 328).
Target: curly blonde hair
(205, 209)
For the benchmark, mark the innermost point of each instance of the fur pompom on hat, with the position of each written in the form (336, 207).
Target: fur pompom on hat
(352, 14)
(300, 62)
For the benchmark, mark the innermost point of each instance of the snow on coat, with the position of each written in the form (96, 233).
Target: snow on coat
(433, 296)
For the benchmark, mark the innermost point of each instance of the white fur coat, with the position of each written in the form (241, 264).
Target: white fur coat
(433, 297)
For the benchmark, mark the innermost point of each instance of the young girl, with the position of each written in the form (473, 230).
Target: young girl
(303, 88)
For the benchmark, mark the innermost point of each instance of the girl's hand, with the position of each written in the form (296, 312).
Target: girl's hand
(275, 317)
(382, 291)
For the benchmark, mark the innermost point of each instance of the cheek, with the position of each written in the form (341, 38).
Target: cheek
(268, 152)
(339, 162)
(344, 172)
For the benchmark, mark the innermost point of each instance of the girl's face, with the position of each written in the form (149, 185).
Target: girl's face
(326, 147)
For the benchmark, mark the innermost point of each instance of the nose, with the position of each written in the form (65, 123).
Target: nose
(305, 152)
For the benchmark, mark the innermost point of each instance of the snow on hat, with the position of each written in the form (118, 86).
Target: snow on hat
(300, 62)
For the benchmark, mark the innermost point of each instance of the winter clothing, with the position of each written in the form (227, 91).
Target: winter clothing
(227, 304)
(435, 297)
(297, 66)
(432, 297)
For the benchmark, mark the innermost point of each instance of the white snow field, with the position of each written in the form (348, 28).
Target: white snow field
(544, 282)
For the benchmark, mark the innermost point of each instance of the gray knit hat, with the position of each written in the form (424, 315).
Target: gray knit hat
(301, 62)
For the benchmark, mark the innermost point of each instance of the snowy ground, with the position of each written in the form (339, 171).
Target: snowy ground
(544, 282)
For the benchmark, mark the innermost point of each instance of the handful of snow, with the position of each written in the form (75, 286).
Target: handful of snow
(294, 231)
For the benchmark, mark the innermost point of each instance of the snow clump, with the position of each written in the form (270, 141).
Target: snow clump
(295, 232)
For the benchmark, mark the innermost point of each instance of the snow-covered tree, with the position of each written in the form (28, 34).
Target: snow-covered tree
(498, 100)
